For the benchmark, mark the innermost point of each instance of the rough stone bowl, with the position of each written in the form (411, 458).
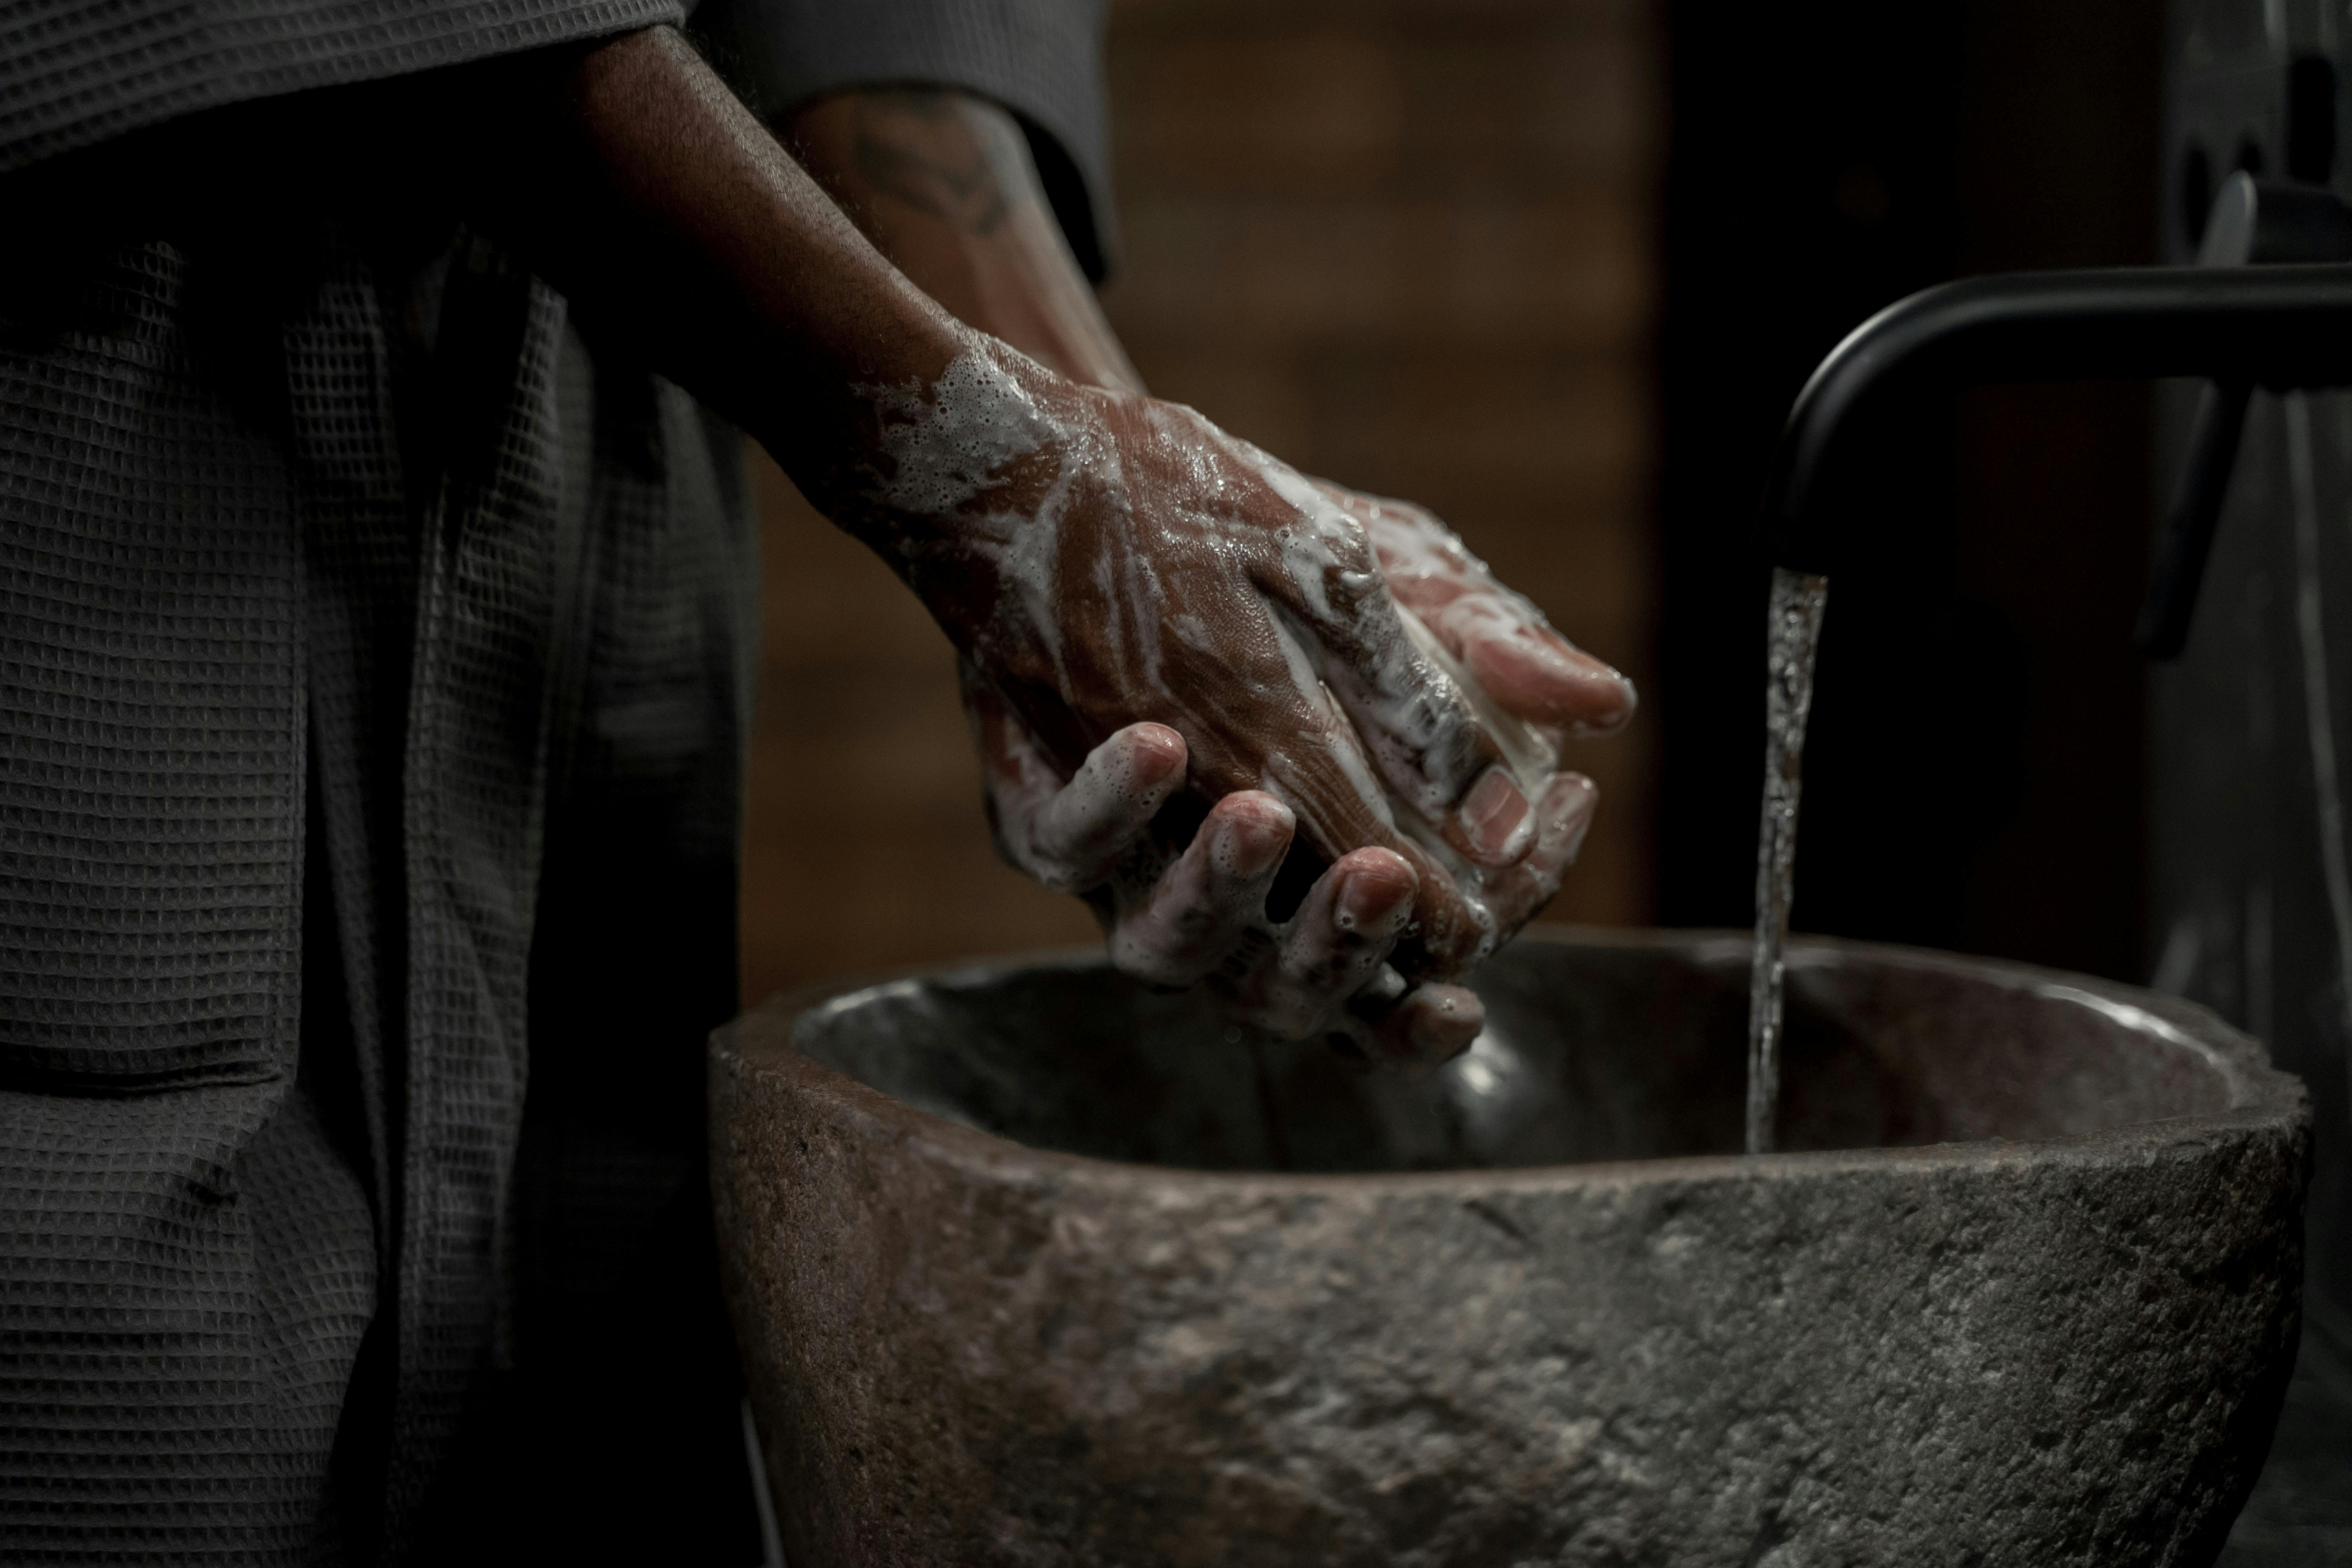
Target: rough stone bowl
(1031, 1266)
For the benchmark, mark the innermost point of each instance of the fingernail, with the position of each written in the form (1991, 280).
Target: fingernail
(1157, 751)
(1568, 794)
(1566, 812)
(1372, 904)
(1251, 843)
(1495, 816)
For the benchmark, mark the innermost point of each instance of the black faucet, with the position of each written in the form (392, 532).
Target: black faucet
(2269, 304)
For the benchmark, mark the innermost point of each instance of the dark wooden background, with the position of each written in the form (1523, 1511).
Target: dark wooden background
(1976, 777)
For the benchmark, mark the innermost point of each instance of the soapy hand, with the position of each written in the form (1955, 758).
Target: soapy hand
(1180, 913)
(1198, 914)
(1100, 557)
(1510, 653)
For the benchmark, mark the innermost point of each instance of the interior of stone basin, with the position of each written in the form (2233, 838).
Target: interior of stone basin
(1592, 1052)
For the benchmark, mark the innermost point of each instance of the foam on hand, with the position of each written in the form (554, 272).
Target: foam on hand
(1240, 605)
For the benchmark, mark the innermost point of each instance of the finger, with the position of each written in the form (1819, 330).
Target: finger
(1450, 931)
(1205, 906)
(1429, 1024)
(1420, 731)
(1565, 812)
(1078, 834)
(1502, 639)
(1339, 806)
(1321, 774)
(1340, 936)
(1531, 671)
(1424, 737)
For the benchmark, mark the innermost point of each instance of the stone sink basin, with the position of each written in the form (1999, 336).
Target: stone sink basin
(1029, 1265)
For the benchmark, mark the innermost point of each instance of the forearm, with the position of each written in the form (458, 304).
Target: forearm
(639, 184)
(943, 184)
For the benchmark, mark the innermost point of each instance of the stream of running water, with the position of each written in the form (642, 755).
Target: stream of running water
(1793, 632)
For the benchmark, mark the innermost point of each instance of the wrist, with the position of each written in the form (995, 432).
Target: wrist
(958, 477)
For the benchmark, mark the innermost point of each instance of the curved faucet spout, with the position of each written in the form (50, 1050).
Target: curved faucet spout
(2280, 326)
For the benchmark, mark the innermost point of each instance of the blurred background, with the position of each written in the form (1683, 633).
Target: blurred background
(1556, 269)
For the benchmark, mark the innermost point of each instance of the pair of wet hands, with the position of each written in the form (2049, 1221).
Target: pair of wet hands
(1292, 743)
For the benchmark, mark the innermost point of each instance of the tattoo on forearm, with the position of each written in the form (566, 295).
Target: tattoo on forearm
(917, 147)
